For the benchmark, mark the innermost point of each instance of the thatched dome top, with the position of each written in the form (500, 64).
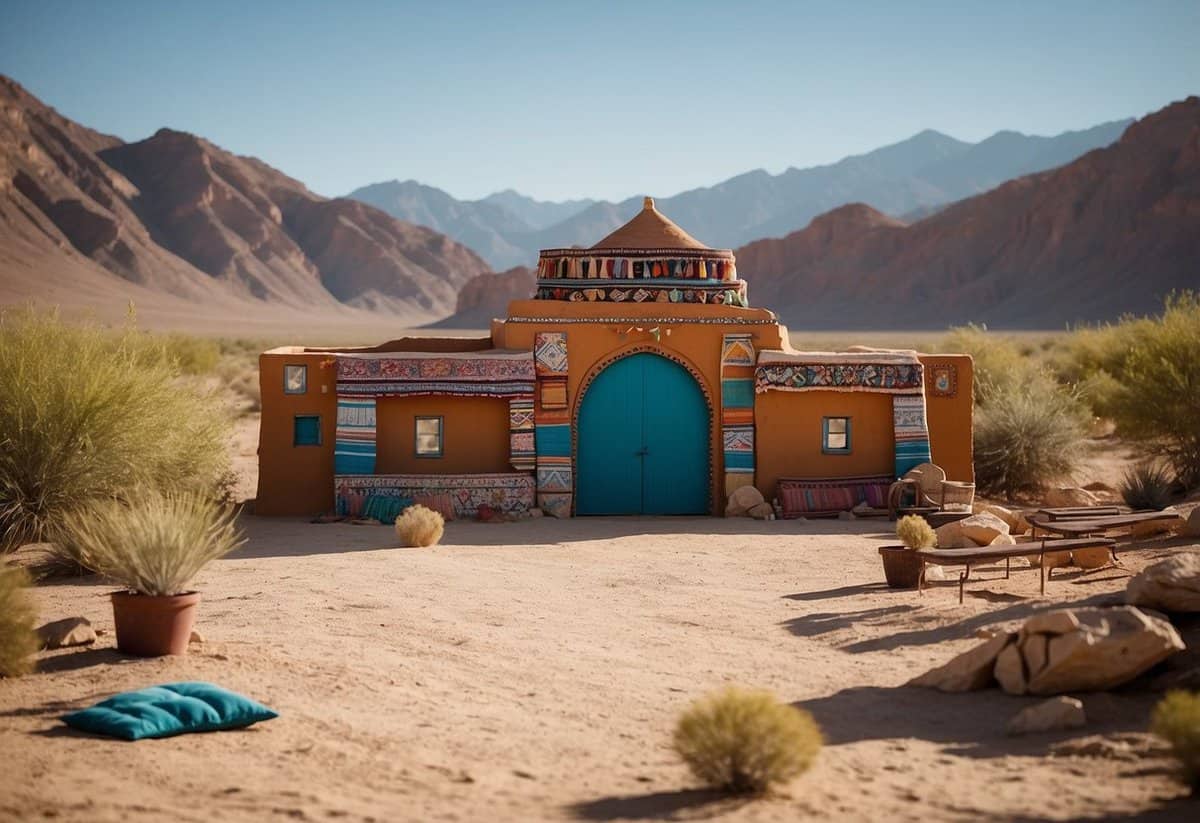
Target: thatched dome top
(649, 229)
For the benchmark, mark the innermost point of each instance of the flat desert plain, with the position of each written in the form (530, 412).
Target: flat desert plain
(534, 671)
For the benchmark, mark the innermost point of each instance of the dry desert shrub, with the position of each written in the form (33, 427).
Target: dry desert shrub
(418, 526)
(746, 741)
(90, 413)
(155, 545)
(1147, 486)
(1176, 719)
(915, 532)
(1027, 439)
(18, 642)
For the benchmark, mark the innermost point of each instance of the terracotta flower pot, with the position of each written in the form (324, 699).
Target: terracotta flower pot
(901, 566)
(151, 626)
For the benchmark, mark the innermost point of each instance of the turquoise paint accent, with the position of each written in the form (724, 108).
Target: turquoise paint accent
(737, 393)
(553, 440)
(306, 430)
(739, 461)
(643, 441)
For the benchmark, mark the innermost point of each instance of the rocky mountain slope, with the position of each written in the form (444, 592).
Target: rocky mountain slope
(486, 296)
(921, 174)
(174, 215)
(1111, 232)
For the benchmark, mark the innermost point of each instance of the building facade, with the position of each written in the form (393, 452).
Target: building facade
(636, 380)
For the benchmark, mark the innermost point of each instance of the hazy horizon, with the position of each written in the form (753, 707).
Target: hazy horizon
(567, 103)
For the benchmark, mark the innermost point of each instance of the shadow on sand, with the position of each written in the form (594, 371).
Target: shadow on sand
(686, 804)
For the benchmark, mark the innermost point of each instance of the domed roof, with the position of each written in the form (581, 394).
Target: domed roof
(649, 230)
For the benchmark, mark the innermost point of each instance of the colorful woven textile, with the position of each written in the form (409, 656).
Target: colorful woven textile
(888, 372)
(737, 409)
(354, 439)
(521, 447)
(492, 373)
(550, 352)
(715, 292)
(808, 497)
(511, 493)
(912, 432)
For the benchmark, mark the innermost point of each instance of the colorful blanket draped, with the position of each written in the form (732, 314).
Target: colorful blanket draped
(354, 439)
(462, 493)
(488, 373)
(898, 373)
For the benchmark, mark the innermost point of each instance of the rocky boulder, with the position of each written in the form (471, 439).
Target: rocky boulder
(1191, 527)
(1068, 497)
(1085, 649)
(70, 631)
(761, 511)
(969, 671)
(983, 528)
(742, 500)
(1017, 524)
(1052, 715)
(1172, 585)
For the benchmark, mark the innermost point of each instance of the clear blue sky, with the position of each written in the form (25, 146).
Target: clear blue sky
(601, 99)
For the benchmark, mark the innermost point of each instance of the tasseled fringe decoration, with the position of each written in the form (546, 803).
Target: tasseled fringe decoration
(703, 271)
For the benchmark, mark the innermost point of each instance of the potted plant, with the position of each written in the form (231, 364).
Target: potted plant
(901, 565)
(154, 546)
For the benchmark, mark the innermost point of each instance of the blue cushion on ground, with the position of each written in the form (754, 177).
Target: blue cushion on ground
(174, 708)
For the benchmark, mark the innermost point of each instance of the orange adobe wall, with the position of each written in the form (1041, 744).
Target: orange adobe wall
(474, 439)
(951, 419)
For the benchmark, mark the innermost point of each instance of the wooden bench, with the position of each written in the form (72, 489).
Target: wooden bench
(1078, 512)
(981, 554)
(1078, 527)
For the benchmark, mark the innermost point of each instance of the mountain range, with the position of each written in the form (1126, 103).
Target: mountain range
(915, 177)
(176, 216)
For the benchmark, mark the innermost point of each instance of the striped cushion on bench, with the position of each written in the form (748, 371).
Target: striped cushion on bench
(806, 497)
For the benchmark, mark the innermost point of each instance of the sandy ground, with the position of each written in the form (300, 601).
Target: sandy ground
(533, 670)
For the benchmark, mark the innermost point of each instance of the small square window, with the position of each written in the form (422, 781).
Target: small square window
(306, 430)
(295, 379)
(429, 436)
(835, 435)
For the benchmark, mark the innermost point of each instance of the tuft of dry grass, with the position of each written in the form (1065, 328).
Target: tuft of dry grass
(915, 532)
(744, 741)
(18, 641)
(418, 526)
(1176, 719)
(155, 545)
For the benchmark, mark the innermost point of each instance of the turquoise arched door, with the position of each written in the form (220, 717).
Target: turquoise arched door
(642, 441)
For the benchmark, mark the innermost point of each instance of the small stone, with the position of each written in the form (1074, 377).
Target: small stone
(1094, 557)
(935, 573)
(742, 500)
(70, 631)
(1052, 715)
(950, 536)
(761, 511)
(1172, 585)
(196, 637)
(982, 528)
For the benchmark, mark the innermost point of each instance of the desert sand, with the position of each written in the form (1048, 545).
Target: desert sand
(533, 670)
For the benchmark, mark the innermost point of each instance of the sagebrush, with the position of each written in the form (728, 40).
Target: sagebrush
(90, 413)
(156, 544)
(1176, 719)
(915, 532)
(1027, 439)
(419, 526)
(18, 640)
(1147, 486)
(746, 741)
(1157, 395)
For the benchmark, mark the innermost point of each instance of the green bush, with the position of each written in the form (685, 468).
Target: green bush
(1176, 719)
(193, 355)
(156, 544)
(915, 532)
(18, 642)
(1026, 439)
(1000, 367)
(1158, 399)
(88, 413)
(1147, 486)
(746, 741)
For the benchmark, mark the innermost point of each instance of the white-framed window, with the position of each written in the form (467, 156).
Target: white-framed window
(835, 435)
(295, 379)
(428, 436)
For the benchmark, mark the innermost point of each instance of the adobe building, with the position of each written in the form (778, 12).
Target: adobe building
(636, 380)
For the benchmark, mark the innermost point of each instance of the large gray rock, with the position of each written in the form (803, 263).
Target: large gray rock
(1089, 649)
(1172, 585)
(1052, 715)
(70, 631)
(971, 670)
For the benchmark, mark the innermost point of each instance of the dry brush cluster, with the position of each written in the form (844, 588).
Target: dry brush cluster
(418, 526)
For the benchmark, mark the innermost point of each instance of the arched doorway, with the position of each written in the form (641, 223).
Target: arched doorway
(643, 440)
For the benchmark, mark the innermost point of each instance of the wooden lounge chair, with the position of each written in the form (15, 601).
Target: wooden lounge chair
(927, 485)
(982, 554)
(1096, 525)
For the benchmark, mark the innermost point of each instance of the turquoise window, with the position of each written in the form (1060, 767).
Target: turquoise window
(835, 435)
(306, 430)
